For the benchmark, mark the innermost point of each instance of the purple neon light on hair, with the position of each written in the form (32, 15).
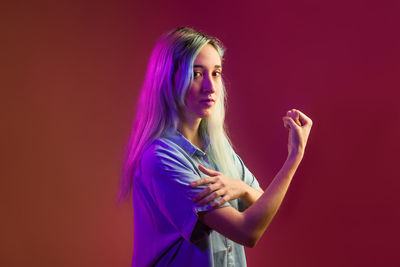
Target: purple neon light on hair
(168, 77)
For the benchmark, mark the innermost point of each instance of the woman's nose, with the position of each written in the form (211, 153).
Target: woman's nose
(208, 85)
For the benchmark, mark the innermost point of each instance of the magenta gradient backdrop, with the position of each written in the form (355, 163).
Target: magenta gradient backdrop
(71, 75)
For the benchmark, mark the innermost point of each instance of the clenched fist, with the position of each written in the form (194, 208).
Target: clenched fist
(299, 126)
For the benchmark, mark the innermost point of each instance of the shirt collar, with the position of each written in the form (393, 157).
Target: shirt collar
(175, 136)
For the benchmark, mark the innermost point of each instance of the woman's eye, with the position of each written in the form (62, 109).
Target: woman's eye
(217, 73)
(196, 74)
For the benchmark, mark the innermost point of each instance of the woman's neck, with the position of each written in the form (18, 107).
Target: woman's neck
(190, 130)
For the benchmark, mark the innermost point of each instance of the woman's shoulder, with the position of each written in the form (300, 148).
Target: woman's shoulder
(161, 148)
(164, 156)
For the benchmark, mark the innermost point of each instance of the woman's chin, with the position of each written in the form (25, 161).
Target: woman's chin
(205, 115)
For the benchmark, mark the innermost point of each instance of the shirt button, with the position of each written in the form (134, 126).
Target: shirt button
(230, 249)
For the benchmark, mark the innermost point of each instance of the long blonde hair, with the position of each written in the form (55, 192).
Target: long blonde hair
(168, 77)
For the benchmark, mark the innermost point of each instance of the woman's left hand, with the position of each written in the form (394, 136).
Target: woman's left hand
(220, 186)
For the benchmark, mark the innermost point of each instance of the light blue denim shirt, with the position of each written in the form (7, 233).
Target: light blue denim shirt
(167, 231)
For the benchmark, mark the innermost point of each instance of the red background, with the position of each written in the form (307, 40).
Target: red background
(71, 73)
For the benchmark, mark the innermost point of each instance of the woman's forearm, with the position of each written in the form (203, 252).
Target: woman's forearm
(251, 194)
(260, 214)
(247, 227)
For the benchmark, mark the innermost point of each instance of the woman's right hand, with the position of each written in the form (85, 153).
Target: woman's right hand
(299, 126)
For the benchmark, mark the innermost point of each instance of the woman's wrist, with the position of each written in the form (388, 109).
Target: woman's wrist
(250, 195)
(245, 192)
(295, 156)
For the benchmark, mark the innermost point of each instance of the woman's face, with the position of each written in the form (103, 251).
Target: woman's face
(201, 97)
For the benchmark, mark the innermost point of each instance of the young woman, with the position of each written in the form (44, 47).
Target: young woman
(195, 202)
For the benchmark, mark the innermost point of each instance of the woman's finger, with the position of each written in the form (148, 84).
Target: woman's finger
(220, 202)
(205, 192)
(211, 197)
(304, 119)
(285, 122)
(208, 171)
(295, 115)
(206, 180)
(288, 122)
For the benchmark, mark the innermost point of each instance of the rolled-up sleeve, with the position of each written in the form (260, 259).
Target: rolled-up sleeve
(170, 174)
(248, 178)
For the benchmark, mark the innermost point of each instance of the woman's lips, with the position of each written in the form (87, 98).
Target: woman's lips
(207, 102)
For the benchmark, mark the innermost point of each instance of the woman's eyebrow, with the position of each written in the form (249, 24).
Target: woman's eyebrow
(201, 66)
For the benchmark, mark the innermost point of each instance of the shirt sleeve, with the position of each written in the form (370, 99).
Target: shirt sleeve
(170, 174)
(248, 178)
